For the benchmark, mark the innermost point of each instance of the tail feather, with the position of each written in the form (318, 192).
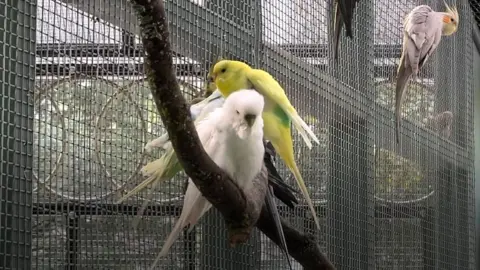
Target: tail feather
(303, 129)
(284, 148)
(403, 76)
(145, 203)
(346, 8)
(283, 193)
(344, 13)
(138, 188)
(194, 207)
(338, 23)
(304, 190)
(272, 207)
(152, 167)
(157, 171)
(281, 190)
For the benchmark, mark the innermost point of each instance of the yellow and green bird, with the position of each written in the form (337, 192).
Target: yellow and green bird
(278, 114)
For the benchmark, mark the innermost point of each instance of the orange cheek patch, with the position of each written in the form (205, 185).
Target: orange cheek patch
(446, 19)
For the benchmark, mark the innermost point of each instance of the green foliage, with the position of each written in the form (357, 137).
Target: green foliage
(398, 178)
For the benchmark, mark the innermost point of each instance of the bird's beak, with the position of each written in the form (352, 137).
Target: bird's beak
(250, 119)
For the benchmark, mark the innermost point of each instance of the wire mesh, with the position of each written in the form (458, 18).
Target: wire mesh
(380, 206)
(476, 10)
(17, 45)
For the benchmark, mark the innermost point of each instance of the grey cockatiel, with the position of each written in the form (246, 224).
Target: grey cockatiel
(343, 16)
(233, 138)
(423, 30)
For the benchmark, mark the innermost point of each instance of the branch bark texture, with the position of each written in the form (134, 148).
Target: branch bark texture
(241, 211)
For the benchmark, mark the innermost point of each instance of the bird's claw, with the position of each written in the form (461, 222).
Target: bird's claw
(158, 142)
(238, 237)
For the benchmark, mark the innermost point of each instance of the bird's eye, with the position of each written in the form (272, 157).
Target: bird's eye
(223, 70)
(452, 20)
(238, 112)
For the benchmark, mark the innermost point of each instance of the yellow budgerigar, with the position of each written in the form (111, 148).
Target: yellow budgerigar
(278, 114)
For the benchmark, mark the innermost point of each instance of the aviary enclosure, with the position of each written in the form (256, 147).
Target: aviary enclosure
(77, 111)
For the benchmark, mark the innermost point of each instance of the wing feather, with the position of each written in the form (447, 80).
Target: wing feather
(264, 83)
(423, 29)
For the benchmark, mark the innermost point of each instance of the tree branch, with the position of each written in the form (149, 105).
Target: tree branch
(302, 247)
(240, 210)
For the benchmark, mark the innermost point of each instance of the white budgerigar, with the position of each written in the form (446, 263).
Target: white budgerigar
(232, 136)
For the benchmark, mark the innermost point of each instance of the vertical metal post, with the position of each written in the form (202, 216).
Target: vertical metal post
(17, 75)
(351, 209)
(463, 128)
(453, 85)
(476, 83)
(72, 241)
(443, 181)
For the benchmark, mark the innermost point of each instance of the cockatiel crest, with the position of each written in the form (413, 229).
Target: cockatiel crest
(450, 20)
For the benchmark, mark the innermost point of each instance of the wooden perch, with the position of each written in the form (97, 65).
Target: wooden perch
(240, 211)
(303, 248)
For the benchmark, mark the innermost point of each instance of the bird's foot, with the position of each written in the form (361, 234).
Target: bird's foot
(158, 142)
(239, 236)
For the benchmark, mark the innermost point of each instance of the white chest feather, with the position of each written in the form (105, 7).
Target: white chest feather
(242, 159)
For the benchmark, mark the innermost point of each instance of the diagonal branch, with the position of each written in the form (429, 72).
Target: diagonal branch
(239, 210)
(302, 247)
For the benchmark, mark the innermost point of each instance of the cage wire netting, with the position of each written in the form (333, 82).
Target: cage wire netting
(91, 112)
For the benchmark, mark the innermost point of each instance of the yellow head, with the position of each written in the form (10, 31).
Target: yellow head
(229, 76)
(450, 20)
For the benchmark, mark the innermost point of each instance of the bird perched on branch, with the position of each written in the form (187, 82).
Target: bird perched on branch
(423, 31)
(233, 137)
(168, 166)
(278, 115)
(344, 12)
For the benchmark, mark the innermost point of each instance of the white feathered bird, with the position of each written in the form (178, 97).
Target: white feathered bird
(167, 166)
(232, 137)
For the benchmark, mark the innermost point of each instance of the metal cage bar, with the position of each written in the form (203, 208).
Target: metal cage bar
(17, 73)
(362, 230)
